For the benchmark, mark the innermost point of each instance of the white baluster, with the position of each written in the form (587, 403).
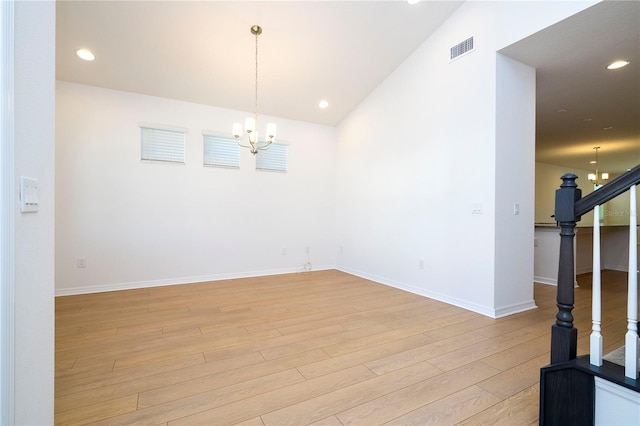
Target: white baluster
(595, 351)
(631, 338)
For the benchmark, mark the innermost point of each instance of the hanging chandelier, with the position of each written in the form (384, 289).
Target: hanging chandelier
(251, 124)
(593, 177)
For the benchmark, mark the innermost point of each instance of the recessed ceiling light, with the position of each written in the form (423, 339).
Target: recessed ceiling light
(323, 104)
(593, 162)
(85, 54)
(617, 64)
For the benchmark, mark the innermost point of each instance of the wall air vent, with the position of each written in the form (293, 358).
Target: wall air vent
(461, 48)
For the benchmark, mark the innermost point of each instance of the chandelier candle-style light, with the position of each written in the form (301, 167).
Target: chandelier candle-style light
(593, 177)
(251, 124)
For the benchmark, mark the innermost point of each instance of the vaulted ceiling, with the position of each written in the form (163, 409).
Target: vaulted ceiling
(339, 51)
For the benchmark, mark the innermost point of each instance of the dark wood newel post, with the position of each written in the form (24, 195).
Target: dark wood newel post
(564, 337)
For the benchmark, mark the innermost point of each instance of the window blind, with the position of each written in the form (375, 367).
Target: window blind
(221, 152)
(273, 159)
(162, 145)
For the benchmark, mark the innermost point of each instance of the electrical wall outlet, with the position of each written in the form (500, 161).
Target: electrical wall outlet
(81, 262)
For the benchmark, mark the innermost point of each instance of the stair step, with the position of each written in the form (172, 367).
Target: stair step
(617, 356)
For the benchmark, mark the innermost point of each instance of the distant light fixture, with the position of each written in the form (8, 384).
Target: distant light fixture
(618, 64)
(587, 120)
(608, 128)
(593, 177)
(413, 1)
(85, 54)
(323, 104)
(563, 110)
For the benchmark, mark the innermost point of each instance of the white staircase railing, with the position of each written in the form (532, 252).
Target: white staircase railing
(595, 351)
(631, 338)
(632, 342)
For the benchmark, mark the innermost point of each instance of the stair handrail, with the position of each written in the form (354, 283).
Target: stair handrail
(608, 192)
(570, 206)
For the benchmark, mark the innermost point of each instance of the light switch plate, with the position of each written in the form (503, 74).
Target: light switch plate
(28, 194)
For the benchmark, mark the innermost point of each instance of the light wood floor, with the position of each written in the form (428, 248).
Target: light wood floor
(321, 348)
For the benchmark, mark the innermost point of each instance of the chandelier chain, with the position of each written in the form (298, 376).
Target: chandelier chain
(252, 123)
(256, 100)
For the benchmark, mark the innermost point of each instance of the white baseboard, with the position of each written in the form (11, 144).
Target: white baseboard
(584, 271)
(621, 268)
(545, 280)
(465, 304)
(550, 281)
(515, 308)
(483, 310)
(184, 280)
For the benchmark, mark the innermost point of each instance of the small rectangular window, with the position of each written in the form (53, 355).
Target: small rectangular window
(162, 145)
(221, 152)
(273, 159)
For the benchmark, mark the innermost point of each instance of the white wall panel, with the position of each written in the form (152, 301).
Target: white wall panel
(514, 176)
(34, 232)
(615, 405)
(419, 157)
(140, 224)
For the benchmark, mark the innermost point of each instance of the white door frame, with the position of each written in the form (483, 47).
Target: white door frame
(7, 222)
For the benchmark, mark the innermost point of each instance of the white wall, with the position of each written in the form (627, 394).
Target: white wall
(614, 212)
(617, 211)
(423, 151)
(388, 219)
(548, 181)
(515, 205)
(34, 232)
(140, 224)
(388, 205)
(615, 405)
(615, 248)
(614, 220)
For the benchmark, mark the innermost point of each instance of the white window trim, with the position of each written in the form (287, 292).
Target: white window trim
(163, 127)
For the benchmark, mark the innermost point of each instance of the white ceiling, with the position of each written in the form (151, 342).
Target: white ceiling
(340, 51)
(570, 58)
(204, 52)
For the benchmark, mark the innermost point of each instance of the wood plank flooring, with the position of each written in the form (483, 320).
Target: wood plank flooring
(318, 348)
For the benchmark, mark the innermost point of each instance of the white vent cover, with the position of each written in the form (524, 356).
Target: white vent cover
(461, 48)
